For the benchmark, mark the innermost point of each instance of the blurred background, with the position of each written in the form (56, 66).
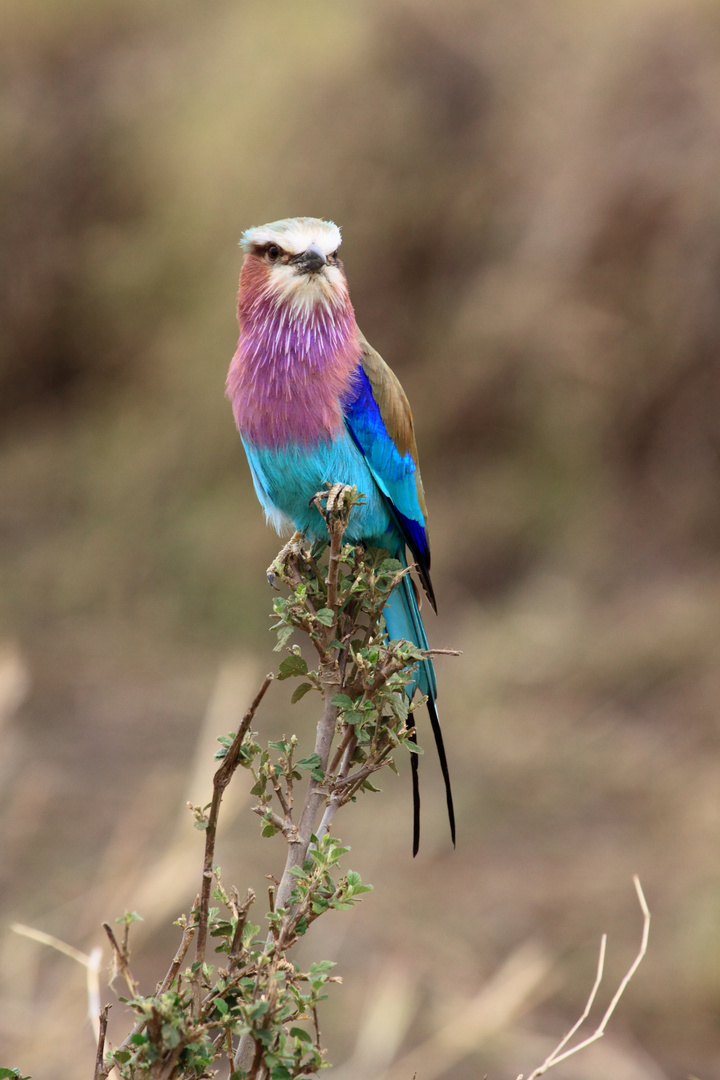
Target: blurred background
(530, 204)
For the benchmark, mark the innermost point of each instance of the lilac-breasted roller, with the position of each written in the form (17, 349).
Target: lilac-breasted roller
(315, 404)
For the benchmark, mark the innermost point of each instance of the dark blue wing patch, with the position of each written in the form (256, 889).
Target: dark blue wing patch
(394, 472)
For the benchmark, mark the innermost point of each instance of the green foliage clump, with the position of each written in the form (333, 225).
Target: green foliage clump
(255, 1008)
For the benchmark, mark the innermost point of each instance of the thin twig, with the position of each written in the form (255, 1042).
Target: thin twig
(316, 795)
(220, 782)
(283, 825)
(100, 1071)
(127, 1041)
(556, 1056)
(342, 747)
(121, 959)
(316, 1022)
(286, 807)
(342, 761)
(236, 943)
(188, 935)
(361, 774)
(590, 1001)
(227, 1036)
(169, 1065)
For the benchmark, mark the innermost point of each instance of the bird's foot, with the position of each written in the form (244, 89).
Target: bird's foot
(330, 502)
(297, 547)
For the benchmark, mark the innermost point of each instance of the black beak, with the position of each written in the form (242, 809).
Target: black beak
(310, 261)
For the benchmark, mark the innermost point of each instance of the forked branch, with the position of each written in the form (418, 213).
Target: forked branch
(560, 1053)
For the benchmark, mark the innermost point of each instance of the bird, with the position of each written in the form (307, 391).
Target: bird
(315, 404)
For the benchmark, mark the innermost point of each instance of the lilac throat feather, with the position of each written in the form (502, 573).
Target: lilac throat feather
(293, 365)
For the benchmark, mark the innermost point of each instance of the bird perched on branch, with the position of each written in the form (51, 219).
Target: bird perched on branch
(314, 403)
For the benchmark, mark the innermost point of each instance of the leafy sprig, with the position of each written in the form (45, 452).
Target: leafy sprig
(253, 1006)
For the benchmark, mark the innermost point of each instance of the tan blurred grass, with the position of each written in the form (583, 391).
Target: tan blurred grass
(530, 208)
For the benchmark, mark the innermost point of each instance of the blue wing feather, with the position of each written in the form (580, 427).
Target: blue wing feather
(394, 472)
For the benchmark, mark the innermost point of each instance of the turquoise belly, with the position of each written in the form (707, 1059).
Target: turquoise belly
(287, 478)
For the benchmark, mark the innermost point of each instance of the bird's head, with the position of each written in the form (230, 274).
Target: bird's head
(294, 262)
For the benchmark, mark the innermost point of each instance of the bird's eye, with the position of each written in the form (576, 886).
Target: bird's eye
(333, 255)
(273, 252)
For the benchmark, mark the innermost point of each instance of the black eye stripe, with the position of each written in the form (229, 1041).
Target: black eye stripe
(271, 251)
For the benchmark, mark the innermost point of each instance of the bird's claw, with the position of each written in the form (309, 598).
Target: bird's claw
(297, 547)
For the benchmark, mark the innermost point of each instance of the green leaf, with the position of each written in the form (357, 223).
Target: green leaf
(292, 665)
(281, 745)
(342, 701)
(413, 747)
(249, 932)
(325, 616)
(171, 1035)
(300, 692)
(337, 851)
(129, 917)
(283, 634)
(400, 706)
(222, 1006)
(258, 1009)
(311, 762)
(281, 1072)
(300, 1033)
(322, 967)
(353, 717)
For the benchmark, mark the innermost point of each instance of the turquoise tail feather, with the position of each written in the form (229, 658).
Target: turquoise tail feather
(403, 620)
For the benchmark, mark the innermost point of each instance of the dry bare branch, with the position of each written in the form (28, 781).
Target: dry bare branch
(121, 960)
(100, 1070)
(559, 1053)
(220, 782)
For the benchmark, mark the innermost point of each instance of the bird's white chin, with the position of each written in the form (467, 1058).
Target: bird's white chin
(301, 292)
